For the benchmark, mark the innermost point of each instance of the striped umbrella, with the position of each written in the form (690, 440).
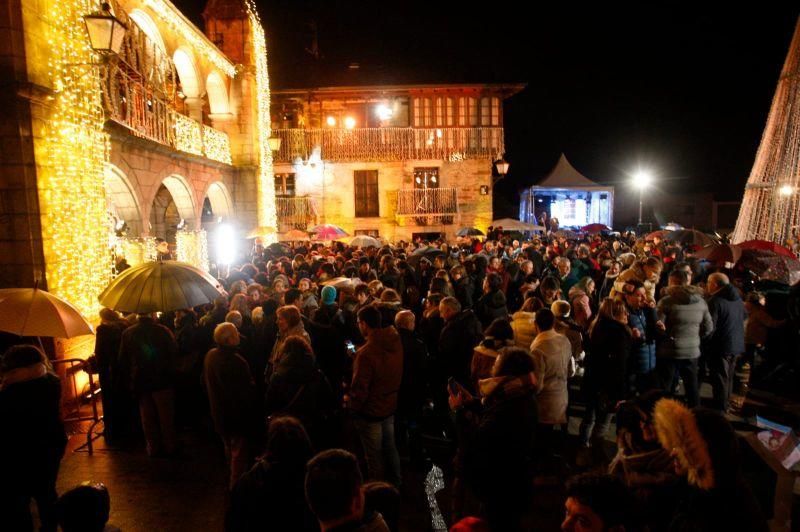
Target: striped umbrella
(328, 232)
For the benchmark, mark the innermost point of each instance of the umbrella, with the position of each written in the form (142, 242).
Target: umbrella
(260, 231)
(469, 231)
(342, 282)
(510, 224)
(661, 233)
(595, 228)
(689, 237)
(720, 253)
(672, 226)
(294, 235)
(328, 232)
(35, 312)
(160, 287)
(365, 241)
(564, 233)
(780, 269)
(767, 246)
(428, 252)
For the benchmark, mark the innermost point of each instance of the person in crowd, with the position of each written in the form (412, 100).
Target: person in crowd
(552, 353)
(549, 291)
(290, 323)
(148, 354)
(108, 336)
(189, 401)
(233, 400)
(333, 488)
(759, 323)
(580, 298)
(372, 396)
(598, 503)
(33, 438)
(648, 272)
(566, 277)
(462, 286)
(492, 304)
(706, 453)
(298, 388)
(643, 323)
(604, 381)
(271, 495)
(461, 333)
(384, 499)
(85, 508)
(309, 303)
(497, 336)
(413, 387)
(566, 326)
(609, 278)
(497, 440)
(522, 322)
(329, 312)
(685, 321)
(726, 342)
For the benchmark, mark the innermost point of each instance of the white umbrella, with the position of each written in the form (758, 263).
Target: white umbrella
(510, 224)
(365, 241)
(35, 312)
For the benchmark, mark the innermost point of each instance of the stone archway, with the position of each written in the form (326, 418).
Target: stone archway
(217, 94)
(121, 200)
(191, 82)
(219, 200)
(172, 203)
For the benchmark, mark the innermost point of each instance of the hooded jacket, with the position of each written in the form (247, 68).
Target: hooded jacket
(685, 314)
(377, 375)
(490, 307)
(727, 312)
(524, 331)
(635, 272)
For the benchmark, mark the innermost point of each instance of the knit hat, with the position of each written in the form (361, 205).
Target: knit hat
(328, 295)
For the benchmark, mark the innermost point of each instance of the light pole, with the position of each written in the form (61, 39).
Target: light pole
(641, 180)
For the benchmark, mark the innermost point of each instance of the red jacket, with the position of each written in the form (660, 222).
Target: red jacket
(377, 373)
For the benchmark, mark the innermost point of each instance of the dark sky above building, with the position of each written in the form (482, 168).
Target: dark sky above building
(682, 90)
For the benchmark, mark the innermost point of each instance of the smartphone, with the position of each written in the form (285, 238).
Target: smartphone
(351, 348)
(452, 386)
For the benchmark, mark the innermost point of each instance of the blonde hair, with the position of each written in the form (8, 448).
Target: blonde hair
(678, 433)
(239, 302)
(612, 309)
(226, 335)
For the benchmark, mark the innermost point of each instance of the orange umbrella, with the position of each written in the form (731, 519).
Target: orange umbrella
(35, 312)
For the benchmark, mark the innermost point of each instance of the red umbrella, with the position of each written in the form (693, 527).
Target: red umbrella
(767, 246)
(689, 237)
(781, 269)
(595, 228)
(328, 232)
(661, 233)
(720, 253)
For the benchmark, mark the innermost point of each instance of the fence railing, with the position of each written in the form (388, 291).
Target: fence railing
(428, 206)
(389, 144)
(295, 212)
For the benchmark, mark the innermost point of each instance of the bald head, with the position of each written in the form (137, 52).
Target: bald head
(717, 281)
(405, 319)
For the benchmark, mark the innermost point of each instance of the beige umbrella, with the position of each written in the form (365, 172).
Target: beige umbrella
(261, 231)
(160, 287)
(510, 224)
(294, 235)
(365, 241)
(35, 312)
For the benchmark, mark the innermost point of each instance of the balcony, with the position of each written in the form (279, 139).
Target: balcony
(295, 212)
(390, 144)
(428, 206)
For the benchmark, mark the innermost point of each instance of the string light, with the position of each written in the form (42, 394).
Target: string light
(70, 180)
(187, 135)
(216, 145)
(192, 248)
(199, 43)
(265, 186)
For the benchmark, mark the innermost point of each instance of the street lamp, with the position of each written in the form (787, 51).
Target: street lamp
(786, 190)
(502, 168)
(641, 180)
(106, 31)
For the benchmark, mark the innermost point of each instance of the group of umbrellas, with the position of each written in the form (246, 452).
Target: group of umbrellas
(768, 260)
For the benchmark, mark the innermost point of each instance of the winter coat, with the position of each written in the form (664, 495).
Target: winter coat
(756, 330)
(459, 337)
(231, 393)
(33, 435)
(551, 355)
(415, 365)
(377, 374)
(574, 334)
(490, 307)
(643, 349)
(727, 312)
(149, 355)
(464, 290)
(606, 286)
(581, 309)
(271, 496)
(483, 359)
(524, 331)
(635, 272)
(609, 348)
(106, 347)
(328, 343)
(685, 314)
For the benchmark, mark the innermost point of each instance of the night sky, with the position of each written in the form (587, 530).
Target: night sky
(684, 91)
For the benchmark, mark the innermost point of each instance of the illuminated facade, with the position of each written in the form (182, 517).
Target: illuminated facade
(168, 133)
(398, 161)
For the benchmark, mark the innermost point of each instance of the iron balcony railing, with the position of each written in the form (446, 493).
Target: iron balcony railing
(389, 144)
(295, 212)
(428, 206)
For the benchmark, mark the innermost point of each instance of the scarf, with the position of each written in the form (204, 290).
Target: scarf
(24, 374)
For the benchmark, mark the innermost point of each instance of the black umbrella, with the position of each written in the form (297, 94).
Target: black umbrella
(428, 252)
(469, 231)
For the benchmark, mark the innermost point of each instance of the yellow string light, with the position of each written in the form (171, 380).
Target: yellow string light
(265, 185)
(216, 145)
(187, 135)
(192, 247)
(199, 43)
(70, 182)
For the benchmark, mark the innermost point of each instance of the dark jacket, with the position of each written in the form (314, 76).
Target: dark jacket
(686, 316)
(457, 342)
(415, 362)
(490, 307)
(271, 496)
(727, 312)
(606, 357)
(149, 355)
(377, 374)
(106, 347)
(464, 289)
(231, 393)
(644, 347)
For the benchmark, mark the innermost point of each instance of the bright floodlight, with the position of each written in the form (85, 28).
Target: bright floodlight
(642, 179)
(331, 121)
(786, 190)
(349, 122)
(226, 244)
(384, 112)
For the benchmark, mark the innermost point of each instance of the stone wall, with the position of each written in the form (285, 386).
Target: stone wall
(331, 185)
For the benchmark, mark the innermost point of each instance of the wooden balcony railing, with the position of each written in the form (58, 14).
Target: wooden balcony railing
(428, 206)
(295, 212)
(390, 144)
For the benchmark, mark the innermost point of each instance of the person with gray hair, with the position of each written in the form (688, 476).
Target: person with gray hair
(726, 343)
(462, 331)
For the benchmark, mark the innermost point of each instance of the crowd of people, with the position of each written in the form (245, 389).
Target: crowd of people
(323, 361)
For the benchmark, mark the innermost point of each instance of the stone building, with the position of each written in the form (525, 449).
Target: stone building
(399, 161)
